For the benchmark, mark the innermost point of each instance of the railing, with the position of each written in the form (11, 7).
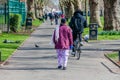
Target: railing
(14, 7)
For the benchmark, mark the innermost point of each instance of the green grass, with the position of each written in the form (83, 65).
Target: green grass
(109, 36)
(113, 56)
(36, 22)
(2, 19)
(8, 48)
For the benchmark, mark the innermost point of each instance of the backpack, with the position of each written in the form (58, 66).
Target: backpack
(78, 25)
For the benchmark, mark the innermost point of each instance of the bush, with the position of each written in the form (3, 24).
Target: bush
(15, 22)
(109, 33)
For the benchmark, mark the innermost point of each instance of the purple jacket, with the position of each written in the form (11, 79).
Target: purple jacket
(65, 38)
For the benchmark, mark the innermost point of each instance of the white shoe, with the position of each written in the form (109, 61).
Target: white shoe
(81, 43)
(86, 38)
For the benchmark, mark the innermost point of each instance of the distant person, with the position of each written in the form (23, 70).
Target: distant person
(51, 16)
(63, 41)
(56, 18)
(62, 16)
(77, 24)
(46, 16)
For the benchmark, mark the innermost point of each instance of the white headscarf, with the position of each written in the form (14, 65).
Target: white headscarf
(56, 35)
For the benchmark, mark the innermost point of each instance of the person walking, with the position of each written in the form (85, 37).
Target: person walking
(62, 16)
(63, 40)
(77, 24)
(51, 17)
(56, 18)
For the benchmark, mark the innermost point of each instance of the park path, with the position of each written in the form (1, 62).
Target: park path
(31, 63)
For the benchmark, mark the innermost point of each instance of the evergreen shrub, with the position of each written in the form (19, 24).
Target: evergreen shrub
(15, 22)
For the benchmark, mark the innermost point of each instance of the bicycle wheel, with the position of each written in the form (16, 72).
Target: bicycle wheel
(78, 50)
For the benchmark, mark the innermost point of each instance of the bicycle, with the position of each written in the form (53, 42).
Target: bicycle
(77, 47)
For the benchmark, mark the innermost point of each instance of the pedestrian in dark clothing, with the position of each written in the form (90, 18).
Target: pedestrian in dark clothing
(46, 16)
(77, 24)
(51, 16)
(56, 18)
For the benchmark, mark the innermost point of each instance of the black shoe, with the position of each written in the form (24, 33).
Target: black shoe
(59, 67)
(86, 40)
(64, 68)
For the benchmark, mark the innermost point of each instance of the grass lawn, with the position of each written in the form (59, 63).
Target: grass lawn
(2, 19)
(114, 57)
(36, 22)
(8, 48)
(104, 36)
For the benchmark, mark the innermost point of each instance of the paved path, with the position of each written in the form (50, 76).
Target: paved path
(30, 63)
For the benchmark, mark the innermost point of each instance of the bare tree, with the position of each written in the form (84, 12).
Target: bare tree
(61, 5)
(111, 15)
(95, 12)
(30, 6)
(77, 4)
(67, 7)
(40, 7)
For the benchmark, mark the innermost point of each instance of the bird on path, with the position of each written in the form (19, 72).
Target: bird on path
(36, 46)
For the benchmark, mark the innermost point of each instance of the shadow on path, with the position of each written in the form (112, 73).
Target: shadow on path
(33, 68)
(39, 48)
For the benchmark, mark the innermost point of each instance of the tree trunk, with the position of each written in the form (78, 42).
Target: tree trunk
(69, 9)
(111, 15)
(30, 5)
(95, 12)
(66, 7)
(77, 4)
(61, 6)
(41, 13)
(36, 10)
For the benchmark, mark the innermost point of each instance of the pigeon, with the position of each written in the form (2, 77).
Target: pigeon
(36, 45)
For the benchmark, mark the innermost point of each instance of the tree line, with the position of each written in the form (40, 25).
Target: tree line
(111, 9)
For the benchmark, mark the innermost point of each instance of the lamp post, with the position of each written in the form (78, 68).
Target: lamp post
(8, 20)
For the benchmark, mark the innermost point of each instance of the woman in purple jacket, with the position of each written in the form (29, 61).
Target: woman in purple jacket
(63, 41)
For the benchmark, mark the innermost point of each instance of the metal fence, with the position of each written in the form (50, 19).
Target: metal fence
(3, 17)
(11, 7)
